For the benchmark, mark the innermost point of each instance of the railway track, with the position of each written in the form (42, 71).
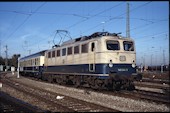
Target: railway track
(160, 81)
(11, 104)
(67, 104)
(3, 73)
(137, 94)
(152, 85)
(148, 96)
(154, 96)
(141, 95)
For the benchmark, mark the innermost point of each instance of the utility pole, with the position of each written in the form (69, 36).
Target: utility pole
(144, 62)
(0, 48)
(18, 68)
(6, 60)
(156, 61)
(163, 57)
(151, 62)
(103, 25)
(163, 64)
(127, 22)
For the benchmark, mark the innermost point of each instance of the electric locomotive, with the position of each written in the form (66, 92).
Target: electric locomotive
(101, 60)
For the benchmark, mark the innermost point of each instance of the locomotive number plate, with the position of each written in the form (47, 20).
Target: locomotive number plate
(122, 69)
(122, 58)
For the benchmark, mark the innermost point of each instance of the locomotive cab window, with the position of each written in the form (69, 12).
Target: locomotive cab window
(112, 45)
(128, 46)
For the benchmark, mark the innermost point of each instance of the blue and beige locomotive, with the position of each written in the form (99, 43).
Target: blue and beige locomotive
(101, 61)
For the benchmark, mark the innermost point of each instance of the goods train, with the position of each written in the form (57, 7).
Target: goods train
(102, 60)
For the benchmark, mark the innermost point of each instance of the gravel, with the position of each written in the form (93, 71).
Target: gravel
(114, 102)
(19, 95)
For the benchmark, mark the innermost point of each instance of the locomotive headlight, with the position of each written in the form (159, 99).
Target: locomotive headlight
(110, 64)
(133, 64)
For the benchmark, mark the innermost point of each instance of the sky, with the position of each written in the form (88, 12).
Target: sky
(29, 27)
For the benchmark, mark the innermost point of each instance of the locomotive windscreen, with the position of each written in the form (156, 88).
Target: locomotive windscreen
(112, 45)
(128, 46)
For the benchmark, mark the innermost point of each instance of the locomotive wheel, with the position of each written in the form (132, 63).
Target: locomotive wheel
(128, 85)
(39, 76)
(108, 84)
(43, 77)
(77, 84)
(77, 81)
(91, 82)
(116, 85)
(59, 80)
(98, 84)
(131, 86)
(50, 79)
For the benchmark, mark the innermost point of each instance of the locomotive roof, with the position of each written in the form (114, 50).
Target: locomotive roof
(41, 53)
(94, 35)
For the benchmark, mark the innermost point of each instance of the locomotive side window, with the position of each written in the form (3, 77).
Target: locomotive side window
(53, 54)
(84, 48)
(92, 46)
(112, 45)
(58, 53)
(30, 62)
(35, 62)
(49, 54)
(69, 51)
(64, 52)
(76, 49)
(38, 61)
(128, 46)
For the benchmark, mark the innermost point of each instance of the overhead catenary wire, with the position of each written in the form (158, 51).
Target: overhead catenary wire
(85, 17)
(73, 25)
(117, 16)
(78, 15)
(23, 22)
(141, 26)
(151, 35)
(92, 16)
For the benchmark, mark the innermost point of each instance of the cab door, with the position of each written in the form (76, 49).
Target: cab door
(91, 56)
